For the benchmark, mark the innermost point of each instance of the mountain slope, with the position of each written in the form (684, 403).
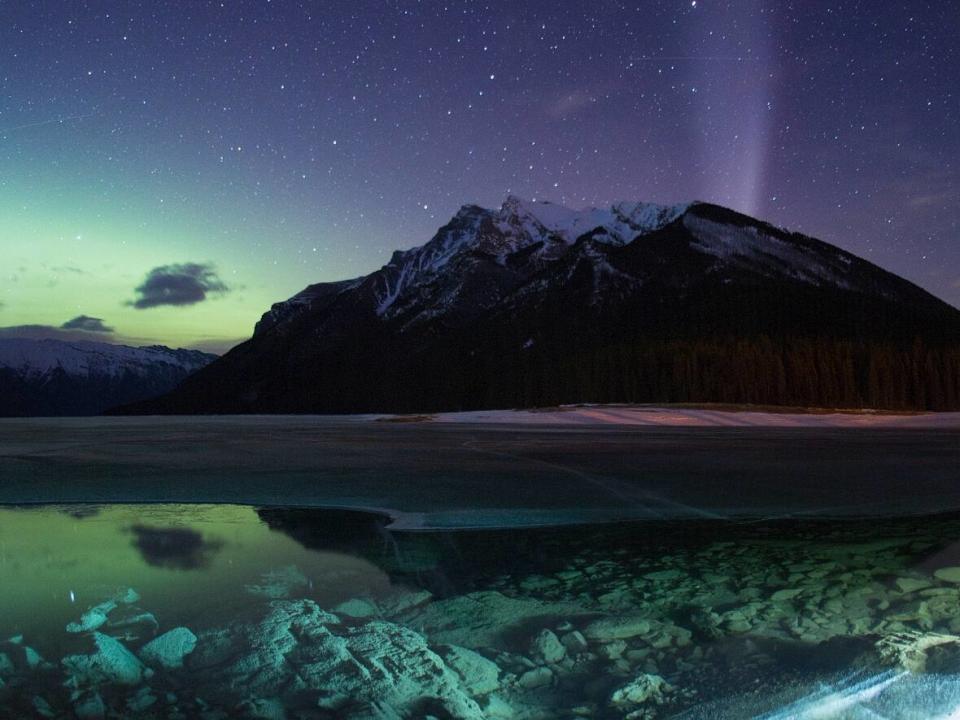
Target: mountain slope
(56, 377)
(535, 304)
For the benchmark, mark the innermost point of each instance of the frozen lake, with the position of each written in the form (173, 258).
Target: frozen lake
(198, 567)
(487, 473)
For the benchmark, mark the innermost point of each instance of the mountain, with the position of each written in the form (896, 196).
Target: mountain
(535, 304)
(57, 377)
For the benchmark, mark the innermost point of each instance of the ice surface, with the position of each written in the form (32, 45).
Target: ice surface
(564, 466)
(586, 415)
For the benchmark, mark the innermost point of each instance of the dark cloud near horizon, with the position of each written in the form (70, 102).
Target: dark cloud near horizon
(87, 324)
(50, 332)
(178, 285)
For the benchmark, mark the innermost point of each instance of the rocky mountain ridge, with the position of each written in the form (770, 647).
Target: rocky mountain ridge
(535, 304)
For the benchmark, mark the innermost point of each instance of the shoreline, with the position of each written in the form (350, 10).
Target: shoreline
(685, 415)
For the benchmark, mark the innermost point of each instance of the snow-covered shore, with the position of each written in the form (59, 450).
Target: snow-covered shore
(697, 417)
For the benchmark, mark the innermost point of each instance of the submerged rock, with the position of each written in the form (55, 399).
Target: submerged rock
(169, 650)
(482, 619)
(909, 585)
(298, 652)
(535, 678)
(948, 574)
(920, 652)
(127, 596)
(479, 675)
(617, 628)
(547, 647)
(42, 707)
(110, 662)
(574, 642)
(92, 618)
(646, 688)
(90, 707)
(404, 602)
(141, 701)
(279, 583)
(32, 657)
(131, 619)
(262, 709)
(356, 608)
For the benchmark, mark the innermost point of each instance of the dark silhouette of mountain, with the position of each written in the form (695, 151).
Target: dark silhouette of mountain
(58, 377)
(534, 304)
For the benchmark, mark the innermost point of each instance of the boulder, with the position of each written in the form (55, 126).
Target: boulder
(169, 650)
(299, 652)
(141, 701)
(32, 657)
(547, 647)
(535, 678)
(90, 707)
(356, 608)
(92, 618)
(574, 642)
(948, 574)
(479, 675)
(620, 627)
(646, 688)
(110, 662)
(909, 584)
(127, 596)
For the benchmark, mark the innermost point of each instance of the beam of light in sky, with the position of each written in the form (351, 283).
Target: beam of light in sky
(739, 100)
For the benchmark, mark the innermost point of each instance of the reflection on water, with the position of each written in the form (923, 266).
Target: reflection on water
(215, 611)
(174, 547)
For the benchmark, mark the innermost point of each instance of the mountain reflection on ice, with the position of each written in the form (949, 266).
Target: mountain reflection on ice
(182, 611)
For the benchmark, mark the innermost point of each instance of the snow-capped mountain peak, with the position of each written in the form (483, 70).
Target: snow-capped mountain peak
(516, 226)
(622, 221)
(526, 252)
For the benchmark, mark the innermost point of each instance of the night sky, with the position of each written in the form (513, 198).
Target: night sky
(172, 169)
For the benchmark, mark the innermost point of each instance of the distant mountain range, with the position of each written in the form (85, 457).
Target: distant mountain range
(58, 377)
(535, 304)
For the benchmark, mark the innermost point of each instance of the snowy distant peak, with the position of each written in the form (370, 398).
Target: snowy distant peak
(30, 357)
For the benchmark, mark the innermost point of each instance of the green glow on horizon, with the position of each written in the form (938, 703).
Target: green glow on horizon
(75, 249)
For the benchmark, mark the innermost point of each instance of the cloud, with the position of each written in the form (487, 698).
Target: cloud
(184, 284)
(82, 327)
(45, 332)
(87, 324)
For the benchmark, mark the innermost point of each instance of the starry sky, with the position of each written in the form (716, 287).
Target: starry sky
(170, 169)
